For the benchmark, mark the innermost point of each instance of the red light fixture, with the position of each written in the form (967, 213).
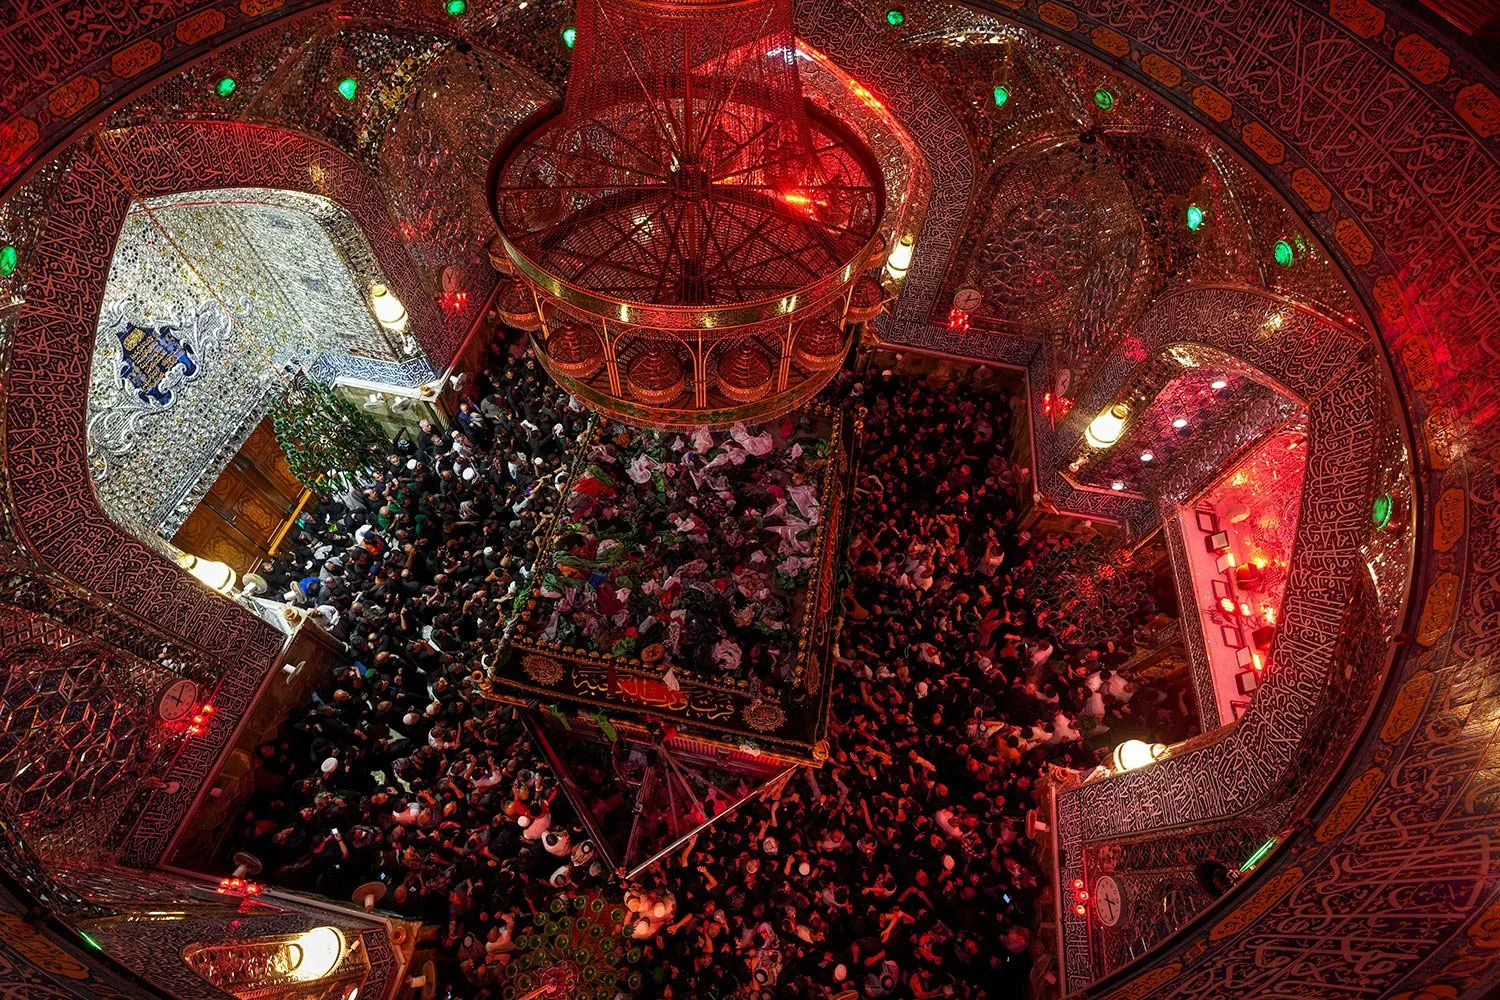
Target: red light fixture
(690, 211)
(198, 722)
(239, 887)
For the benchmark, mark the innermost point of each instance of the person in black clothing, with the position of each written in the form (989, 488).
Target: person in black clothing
(899, 869)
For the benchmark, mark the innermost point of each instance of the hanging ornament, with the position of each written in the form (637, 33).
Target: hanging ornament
(326, 438)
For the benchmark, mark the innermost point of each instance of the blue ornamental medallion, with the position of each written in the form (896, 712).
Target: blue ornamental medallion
(154, 361)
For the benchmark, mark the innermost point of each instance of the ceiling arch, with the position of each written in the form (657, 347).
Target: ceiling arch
(1237, 769)
(51, 500)
(1385, 136)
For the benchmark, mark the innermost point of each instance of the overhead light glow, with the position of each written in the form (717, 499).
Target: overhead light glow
(1385, 505)
(1133, 754)
(863, 93)
(214, 575)
(348, 87)
(387, 308)
(225, 86)
(1217, 384)
(1117, 486)
(898, 262)
(1180, 423)
(1259, 855)
(320, 948)
(1147, 456)
(1104, 430)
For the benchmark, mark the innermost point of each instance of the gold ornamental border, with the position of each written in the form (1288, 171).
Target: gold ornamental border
(698, 320)
(681, 419)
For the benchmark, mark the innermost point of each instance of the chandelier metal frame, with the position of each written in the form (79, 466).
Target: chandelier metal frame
(686, 220)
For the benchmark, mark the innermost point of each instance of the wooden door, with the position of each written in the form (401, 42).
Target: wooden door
(246, 512)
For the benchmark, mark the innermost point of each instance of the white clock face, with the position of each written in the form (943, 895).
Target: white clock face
(1109, 901)
(968, 299)
(177, 700)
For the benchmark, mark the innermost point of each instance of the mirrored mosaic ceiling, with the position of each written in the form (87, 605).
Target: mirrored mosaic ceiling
(213, 297)
(1172, 210)
(1078, 164)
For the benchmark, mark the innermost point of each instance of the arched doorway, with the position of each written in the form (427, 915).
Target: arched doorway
(216, 302)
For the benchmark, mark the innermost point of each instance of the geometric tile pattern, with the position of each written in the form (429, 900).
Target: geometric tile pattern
(141, 944)
(1406, 225)
(76, 733)
(1385, 138)
(1244, 767)
(267, 267)
(65, 731)
(838, 30)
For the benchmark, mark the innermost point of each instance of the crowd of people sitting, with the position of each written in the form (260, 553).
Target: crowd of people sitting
(899, 869)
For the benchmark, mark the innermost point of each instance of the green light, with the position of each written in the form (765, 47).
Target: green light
(8, 260)
(455, 8)
(348, 86)
(1285, 255)
(1385, 506)
(1259, 855)
(569, 36)
(1194, 217)
(225, 86)
(895, 17)
(1002, 94)
(1104, 99)
(89, 940)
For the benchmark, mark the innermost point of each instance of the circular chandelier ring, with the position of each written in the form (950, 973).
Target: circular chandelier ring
(696, 319)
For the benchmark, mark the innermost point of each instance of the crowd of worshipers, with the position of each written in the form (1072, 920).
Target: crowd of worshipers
(689, 549)
(899, 869)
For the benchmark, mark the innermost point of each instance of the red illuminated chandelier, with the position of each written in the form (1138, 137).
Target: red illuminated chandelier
(687, 233)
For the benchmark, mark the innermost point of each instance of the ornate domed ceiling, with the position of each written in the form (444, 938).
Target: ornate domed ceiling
(1071, 209)
(1128, 202)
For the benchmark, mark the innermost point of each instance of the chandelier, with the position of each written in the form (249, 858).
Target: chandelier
(689, 236)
